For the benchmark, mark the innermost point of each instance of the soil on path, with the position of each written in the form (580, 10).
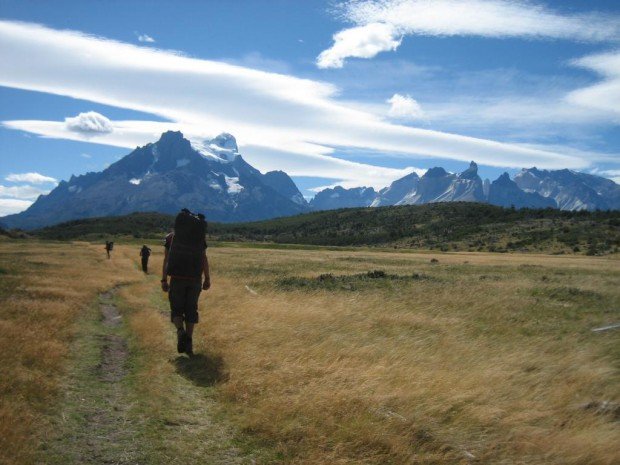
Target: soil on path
(108, 431)
(102, 422)
(95, 426)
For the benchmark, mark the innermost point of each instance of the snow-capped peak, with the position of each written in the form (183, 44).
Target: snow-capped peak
(222, 148)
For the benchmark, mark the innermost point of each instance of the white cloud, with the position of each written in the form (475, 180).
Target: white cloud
(405, 107)
(89, 123)
(614, 175)
(85, 155)
(11, 206)
(484, 18)
(25, 192)
(32, 178)
(145, 38)
(359, 42)
(299, 119)
(604, 95)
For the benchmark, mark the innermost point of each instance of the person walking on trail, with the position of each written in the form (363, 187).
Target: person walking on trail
(145, 253)
(185, 261)
(109, 245)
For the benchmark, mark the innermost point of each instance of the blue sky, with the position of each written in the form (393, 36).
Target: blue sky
(350, 93)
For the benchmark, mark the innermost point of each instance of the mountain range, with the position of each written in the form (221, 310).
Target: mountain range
(213, 178)
(531, 188)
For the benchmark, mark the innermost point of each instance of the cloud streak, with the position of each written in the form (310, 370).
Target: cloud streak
(405, 107)
(379, 25)
(298, 119)
(145, 38)
(89, 123)
(10, 206)
(605, 95)
(31, 178)
(22, 192)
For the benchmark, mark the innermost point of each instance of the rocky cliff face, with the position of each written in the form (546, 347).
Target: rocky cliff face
(532, 188)
(166, 176)
(338, 197)
(437, 185)
(505, 193)
(571, 190)
(397, 191)
(214, 179)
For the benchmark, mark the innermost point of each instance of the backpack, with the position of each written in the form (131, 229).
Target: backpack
(188, 244)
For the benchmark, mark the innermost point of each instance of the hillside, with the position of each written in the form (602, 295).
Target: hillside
(137, 225)
(443, 226)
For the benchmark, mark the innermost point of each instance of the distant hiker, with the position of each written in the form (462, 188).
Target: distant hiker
(109, 245)
(185, 261)
(145, 253)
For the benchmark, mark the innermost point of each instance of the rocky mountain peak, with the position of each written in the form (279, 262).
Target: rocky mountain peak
(471, 172)
(504, 179)
(225, 141)
(435, 172)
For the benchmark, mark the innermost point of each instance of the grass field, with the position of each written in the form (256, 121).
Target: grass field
(320, 356)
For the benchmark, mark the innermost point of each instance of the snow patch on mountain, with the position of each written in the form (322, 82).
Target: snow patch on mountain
(299, 199)
(135, 181)
(233, 185)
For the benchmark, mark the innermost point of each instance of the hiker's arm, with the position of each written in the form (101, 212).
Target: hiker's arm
(205, 269)
(164, 276)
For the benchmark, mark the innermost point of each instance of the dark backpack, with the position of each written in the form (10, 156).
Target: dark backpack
(188, 244)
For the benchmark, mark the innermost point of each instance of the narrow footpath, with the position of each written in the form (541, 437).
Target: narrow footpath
(95, 425)
(104, 417)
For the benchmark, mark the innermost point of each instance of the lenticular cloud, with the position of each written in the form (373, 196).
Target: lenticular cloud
(379, 25)
(89, 123)
(300, 119)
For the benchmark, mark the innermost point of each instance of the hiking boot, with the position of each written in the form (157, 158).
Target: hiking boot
(181, 340)
(189, 350)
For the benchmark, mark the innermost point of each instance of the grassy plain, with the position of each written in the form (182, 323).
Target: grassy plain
(305, 358)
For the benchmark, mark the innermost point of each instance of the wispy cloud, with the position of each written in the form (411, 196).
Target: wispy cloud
(14, 199)
(299, 119)
(31, 178)
(405, 107)
(89, 123)
(380, 25)
(359, 42)
(605, 95)
(10, 206)
(22, 192)
(145, 38)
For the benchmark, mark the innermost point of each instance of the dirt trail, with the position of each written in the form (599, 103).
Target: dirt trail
(102, 419)
(95, 425)
(108, 432)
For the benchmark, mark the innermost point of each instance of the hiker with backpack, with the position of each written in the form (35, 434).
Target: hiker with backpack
(185, 261)
(109, 245)
(145, 253)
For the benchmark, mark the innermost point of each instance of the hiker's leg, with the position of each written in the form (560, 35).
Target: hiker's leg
(191, 305)
(191, 313)
(178, 322)
(189, 329)
(177, 303)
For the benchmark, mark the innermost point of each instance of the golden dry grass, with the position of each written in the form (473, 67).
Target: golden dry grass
(488, 359)
(44, 289)
(478, 360)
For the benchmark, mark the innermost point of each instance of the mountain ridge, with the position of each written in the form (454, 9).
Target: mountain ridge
(166, 176)
(213, 178)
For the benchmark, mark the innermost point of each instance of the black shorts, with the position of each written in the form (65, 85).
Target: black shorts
(183, 296)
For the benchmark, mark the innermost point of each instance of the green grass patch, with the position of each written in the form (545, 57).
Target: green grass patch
(352, 282)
